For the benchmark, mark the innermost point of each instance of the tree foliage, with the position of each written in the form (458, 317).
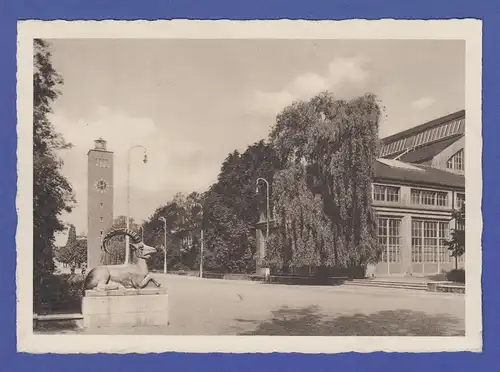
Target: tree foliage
(183, 218)
(456, 245)
(230, 212)
(323, 196)
(52, 193)
(74, 253)
(232, 207)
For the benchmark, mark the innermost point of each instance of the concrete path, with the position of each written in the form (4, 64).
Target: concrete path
(227, 307)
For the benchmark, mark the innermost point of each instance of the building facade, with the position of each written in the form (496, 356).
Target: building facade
(414, 206)
(100, 199)
(419, 182)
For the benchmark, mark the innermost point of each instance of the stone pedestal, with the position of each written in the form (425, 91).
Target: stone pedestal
(125, 308)
(371, 271)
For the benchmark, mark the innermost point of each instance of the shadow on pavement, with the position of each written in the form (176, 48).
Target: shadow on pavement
(309, 321)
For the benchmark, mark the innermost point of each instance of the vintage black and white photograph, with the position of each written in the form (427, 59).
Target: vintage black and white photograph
(214, 183)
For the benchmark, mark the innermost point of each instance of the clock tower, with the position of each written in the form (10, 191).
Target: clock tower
(100, 199)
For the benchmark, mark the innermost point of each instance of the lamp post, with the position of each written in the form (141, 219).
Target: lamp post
(267, 217)
(267, 203)
(127, 241)
(165, 243)
(201, 240)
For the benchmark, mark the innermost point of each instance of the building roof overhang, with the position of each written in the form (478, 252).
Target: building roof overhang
(416, 174)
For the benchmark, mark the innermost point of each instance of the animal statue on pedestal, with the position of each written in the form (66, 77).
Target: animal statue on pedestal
(132, 275)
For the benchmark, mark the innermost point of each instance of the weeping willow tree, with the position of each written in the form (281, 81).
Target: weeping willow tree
(322, 199)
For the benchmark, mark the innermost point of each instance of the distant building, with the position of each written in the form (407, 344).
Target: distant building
(419, 182)
(100, 199)
(185, 244)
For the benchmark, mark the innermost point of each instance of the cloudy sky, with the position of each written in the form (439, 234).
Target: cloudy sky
(191, 102)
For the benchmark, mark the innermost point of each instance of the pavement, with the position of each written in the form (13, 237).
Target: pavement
(234, 307)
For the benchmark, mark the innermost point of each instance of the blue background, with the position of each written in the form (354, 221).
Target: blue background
(488, 11)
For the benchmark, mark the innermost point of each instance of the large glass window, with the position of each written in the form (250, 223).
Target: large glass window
(427, 197)
(389, 237)
(419, 139)
(392, 194)
(416, 241)
(427, 135)
(456, 162)
(386, 193)
(400, 145)
(378, 193)
(430, 241)
(427, 241)
(441, 199)
(440, 131)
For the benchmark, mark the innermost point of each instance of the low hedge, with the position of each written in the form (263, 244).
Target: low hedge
(61, 293)
(457, 275)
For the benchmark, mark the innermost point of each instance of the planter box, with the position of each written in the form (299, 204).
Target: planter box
(445, 287)
(125, 308)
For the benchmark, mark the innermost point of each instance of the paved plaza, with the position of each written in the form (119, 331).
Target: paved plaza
(227, 307)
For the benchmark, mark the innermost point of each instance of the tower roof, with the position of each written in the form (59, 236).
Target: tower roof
(100, 144)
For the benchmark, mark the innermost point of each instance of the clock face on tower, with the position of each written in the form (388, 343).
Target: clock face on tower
(101, 186)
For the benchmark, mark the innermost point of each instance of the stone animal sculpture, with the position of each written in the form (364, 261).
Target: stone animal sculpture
(132, 275)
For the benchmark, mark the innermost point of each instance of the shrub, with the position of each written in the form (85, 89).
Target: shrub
(456, 276)
(354, 272)
(62, 293)
(179, 266)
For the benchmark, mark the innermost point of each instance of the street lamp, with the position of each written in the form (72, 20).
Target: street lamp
(142, 232)
(201, 239)
(267, 202)
(165, 243)
(127, 241)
